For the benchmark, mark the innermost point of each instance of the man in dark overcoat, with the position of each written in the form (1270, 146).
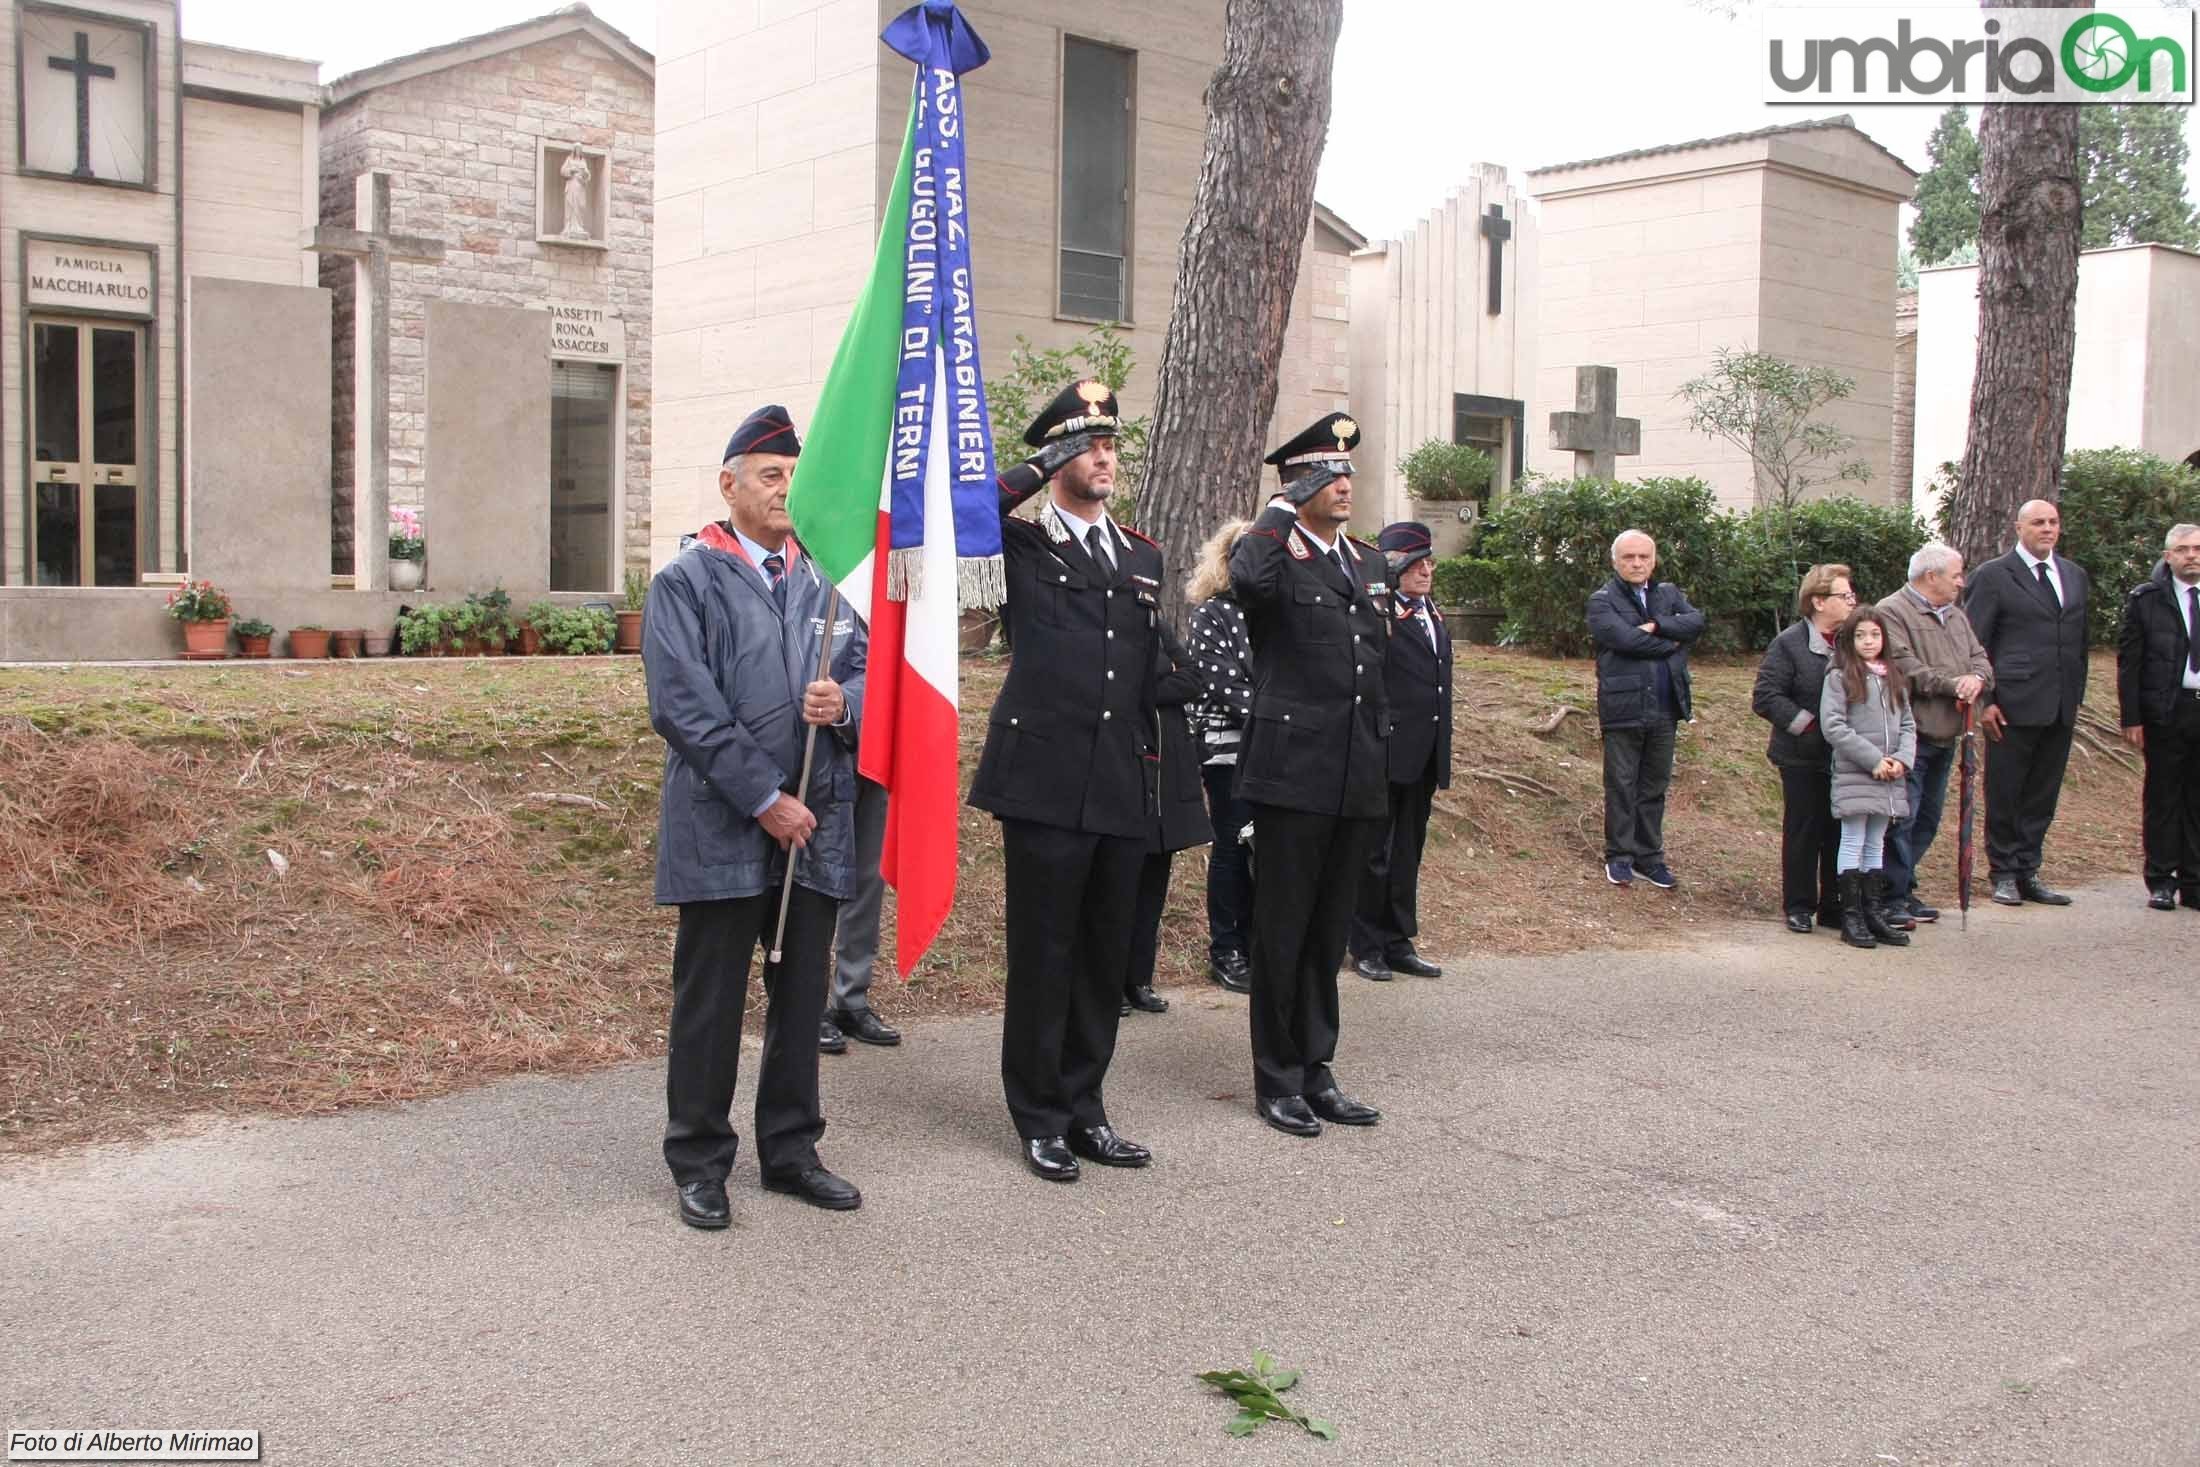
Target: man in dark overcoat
(1067, 770)
(2158, 692)
(731, 636)
(1643, 628)
(1417, 676)
(2029, 610)
(1312, 765)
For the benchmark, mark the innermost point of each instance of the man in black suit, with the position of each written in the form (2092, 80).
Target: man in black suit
(1642, 628)
(1066, 771)
(2028, 608)
(1311, 766)
(1417, 681)
(2158, 693)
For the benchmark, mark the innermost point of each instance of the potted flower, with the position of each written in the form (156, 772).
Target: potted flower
(408, 550)
(535, 626)
(254, 637)
(630, 619)
(204, 612)
(1446, 484)
(309, 642)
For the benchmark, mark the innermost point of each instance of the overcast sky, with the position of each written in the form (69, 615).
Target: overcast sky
(1424, 88)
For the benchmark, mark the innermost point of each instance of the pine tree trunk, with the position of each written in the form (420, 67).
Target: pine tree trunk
(1267, 118)
(2030, 209)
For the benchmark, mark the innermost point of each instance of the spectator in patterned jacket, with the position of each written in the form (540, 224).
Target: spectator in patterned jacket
(1224, 657)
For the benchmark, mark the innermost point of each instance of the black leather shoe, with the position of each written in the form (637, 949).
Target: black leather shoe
(1232, 972)
(1289, 1114)
(1049, 1157)
(1145, 1000)
(864, 1025)
(1798, 921)
(2032, 889)
(2163, 899)
(1125, 1011)
(1919, 910)
(1334, 1105)
(816, 1186)
(2006, 893)
(829, 1038)
(1101, 1144)
(1372, 967)
(704, 1205)
(1413, 965)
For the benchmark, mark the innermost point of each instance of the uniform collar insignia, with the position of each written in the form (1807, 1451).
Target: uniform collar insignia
(1300, 550)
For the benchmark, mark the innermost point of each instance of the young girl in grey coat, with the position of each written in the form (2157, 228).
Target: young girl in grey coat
(1865, 715)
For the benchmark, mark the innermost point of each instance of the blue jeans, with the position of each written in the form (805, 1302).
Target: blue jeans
(1909, 838)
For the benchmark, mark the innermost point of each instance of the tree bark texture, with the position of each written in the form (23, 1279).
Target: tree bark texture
(2030, 217)
(1267, 118)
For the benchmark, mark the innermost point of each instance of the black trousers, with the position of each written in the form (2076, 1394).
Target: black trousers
(1153, 895)
(1386, 918)
(2024, 775)
(1229, 864)
(1638, 767)
(2170, 800)
(1302, 905)
(1071, 897)
(1810, 842)
(710, 989)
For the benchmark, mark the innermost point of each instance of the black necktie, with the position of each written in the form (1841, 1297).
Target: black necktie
(776, 569)
(2192, 630)
(2040, 567)
(1097, 546)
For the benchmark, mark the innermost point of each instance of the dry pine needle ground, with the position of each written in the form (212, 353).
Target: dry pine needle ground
(286, 890)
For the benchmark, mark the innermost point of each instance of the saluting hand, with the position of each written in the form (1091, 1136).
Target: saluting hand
(789, 822)
(823, 703)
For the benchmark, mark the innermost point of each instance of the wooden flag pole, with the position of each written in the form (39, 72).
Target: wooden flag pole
(809, 756)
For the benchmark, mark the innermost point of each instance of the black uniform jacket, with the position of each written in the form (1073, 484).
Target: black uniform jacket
(1068, 739)
(1182, 798)
(1320, 724)
(1417, 680)
(2151, 651)
(2037, 647)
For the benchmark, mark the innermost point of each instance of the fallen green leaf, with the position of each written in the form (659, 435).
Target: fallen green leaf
(1258, 1397)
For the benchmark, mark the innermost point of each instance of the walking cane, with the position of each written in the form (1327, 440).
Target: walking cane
(809, 754)
(1966, 816)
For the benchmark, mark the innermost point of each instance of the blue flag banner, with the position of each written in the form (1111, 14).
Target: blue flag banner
(941, 379)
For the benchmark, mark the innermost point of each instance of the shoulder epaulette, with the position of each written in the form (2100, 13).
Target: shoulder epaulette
(1136, 535)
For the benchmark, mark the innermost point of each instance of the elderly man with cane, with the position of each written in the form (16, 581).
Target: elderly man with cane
(749, 656)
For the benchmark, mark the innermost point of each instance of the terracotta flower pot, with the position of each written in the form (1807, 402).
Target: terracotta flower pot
(254, 646)
(308, 642)
(630, 632)
(345, 643)
(530, 642)
(206, 640)
(376, 645)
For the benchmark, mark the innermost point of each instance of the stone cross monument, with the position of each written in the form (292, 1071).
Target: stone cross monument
(1594, 432)
(371, 248)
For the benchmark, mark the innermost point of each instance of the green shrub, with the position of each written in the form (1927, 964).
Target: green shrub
(1448, 471)
(1469, 580)
(576, 630)
(2117, 504)
(1551, 542)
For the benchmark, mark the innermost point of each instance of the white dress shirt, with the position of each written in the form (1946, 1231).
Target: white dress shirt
(1091, 533)
(2054, 576)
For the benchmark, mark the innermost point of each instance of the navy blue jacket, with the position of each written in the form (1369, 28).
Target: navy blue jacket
(726, 669)
(1642, 677)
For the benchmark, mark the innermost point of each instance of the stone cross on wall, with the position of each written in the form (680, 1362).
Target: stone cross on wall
(1496, 230)
(371, 248)
(1594, 431)
(84, 69)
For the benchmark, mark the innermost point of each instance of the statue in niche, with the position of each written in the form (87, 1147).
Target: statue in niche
(576, 173)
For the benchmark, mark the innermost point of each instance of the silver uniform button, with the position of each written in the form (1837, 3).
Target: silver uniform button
(1357, 670)
(1111, 634)
(1286, 718)
(1111, 595)
(1111, 674)
(1064, 579)
(1012, 723)
(1355, 697)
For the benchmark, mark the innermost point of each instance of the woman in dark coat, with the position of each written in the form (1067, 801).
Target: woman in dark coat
(1181, 822)
(1790, 682)
(1224, 657)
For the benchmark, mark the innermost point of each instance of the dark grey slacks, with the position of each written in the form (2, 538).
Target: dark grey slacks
(1638, 768)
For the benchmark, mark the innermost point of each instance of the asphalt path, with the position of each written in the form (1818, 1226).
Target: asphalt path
(1765, 1200)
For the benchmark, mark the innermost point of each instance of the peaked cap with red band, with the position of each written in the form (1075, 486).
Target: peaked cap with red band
(767, 430)
(1404, 543)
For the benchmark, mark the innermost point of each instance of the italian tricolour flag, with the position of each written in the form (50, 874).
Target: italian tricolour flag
(844, 505)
